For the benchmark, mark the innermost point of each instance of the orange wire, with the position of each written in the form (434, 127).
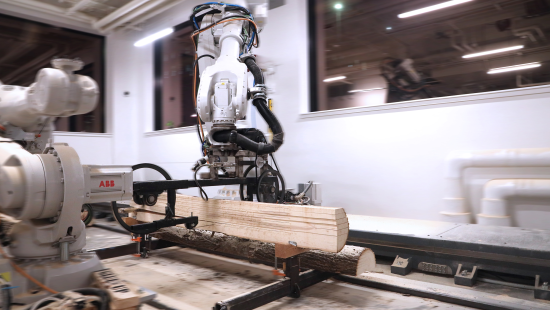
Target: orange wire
(195, 97)
(25, 274)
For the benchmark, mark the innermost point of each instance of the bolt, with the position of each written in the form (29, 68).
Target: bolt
(464, 272)
(400, 263)
(545, 285)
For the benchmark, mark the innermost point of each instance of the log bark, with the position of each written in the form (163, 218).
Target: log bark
(351, 260)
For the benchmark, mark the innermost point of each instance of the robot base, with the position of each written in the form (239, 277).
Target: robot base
(55, 274)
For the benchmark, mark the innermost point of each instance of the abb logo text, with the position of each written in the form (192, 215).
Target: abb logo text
(107, 183)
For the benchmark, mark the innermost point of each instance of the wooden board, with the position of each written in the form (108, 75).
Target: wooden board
(310, 227)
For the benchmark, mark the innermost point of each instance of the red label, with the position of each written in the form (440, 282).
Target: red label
(108, 183)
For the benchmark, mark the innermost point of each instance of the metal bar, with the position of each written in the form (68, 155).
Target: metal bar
(159, 305)
(271, 292)
(163, 185)
(129, 249)
(112, 228)
(444, 293)
(183, 184)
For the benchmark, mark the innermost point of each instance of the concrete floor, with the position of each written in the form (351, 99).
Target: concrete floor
(189, 279)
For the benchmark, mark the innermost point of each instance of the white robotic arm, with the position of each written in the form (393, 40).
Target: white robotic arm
(26, 113)
(47, 191)
(222, 96)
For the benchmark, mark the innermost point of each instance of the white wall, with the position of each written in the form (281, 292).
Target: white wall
(383, 161)
(92, 148)
(390, 162)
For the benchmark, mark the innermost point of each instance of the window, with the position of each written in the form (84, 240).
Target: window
(27, 47)
(370, 52)
(174, 58)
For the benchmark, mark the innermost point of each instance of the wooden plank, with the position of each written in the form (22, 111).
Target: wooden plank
(311, 227)
(305, 240)
(321, 229)
(186, 204)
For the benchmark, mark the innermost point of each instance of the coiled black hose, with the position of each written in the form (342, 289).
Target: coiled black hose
(246, 143)
(170, 193)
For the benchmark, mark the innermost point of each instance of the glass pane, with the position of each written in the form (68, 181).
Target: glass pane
(369, 54)
(174, 55)
(27, 47)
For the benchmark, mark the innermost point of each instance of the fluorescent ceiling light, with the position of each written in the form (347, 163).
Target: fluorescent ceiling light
(500, 50)
(514, 68)
(432, 8)
(365, 90)
(153, 37)
(334, 79)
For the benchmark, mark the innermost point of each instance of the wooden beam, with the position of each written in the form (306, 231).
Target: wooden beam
(308, 227)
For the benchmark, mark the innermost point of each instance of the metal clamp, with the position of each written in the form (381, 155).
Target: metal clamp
(258, 91)
(245, 56)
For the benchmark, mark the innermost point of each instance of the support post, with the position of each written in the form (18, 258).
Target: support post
(465, 277)
(542, 290)
(401, 266)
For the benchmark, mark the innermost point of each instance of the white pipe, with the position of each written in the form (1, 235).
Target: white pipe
(455, 206)
(130, 6)
(526, 31)
(496, 193)
(519, 77)
(132, 15)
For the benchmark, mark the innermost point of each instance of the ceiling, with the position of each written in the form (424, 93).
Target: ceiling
(365, 32)
(105, 16)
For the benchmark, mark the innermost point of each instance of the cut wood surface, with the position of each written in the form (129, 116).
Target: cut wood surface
(310, 227)
(351, 260)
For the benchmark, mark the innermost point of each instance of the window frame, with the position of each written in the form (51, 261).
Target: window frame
(435, 102)
(158, 80)
(102, 105)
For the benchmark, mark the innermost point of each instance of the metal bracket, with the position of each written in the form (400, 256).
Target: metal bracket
(291, 286)
(401, 266)
(291, 267)
(465, 277)
(541, 289)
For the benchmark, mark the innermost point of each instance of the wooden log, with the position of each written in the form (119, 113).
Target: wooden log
(351, 260)
(309, 227)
